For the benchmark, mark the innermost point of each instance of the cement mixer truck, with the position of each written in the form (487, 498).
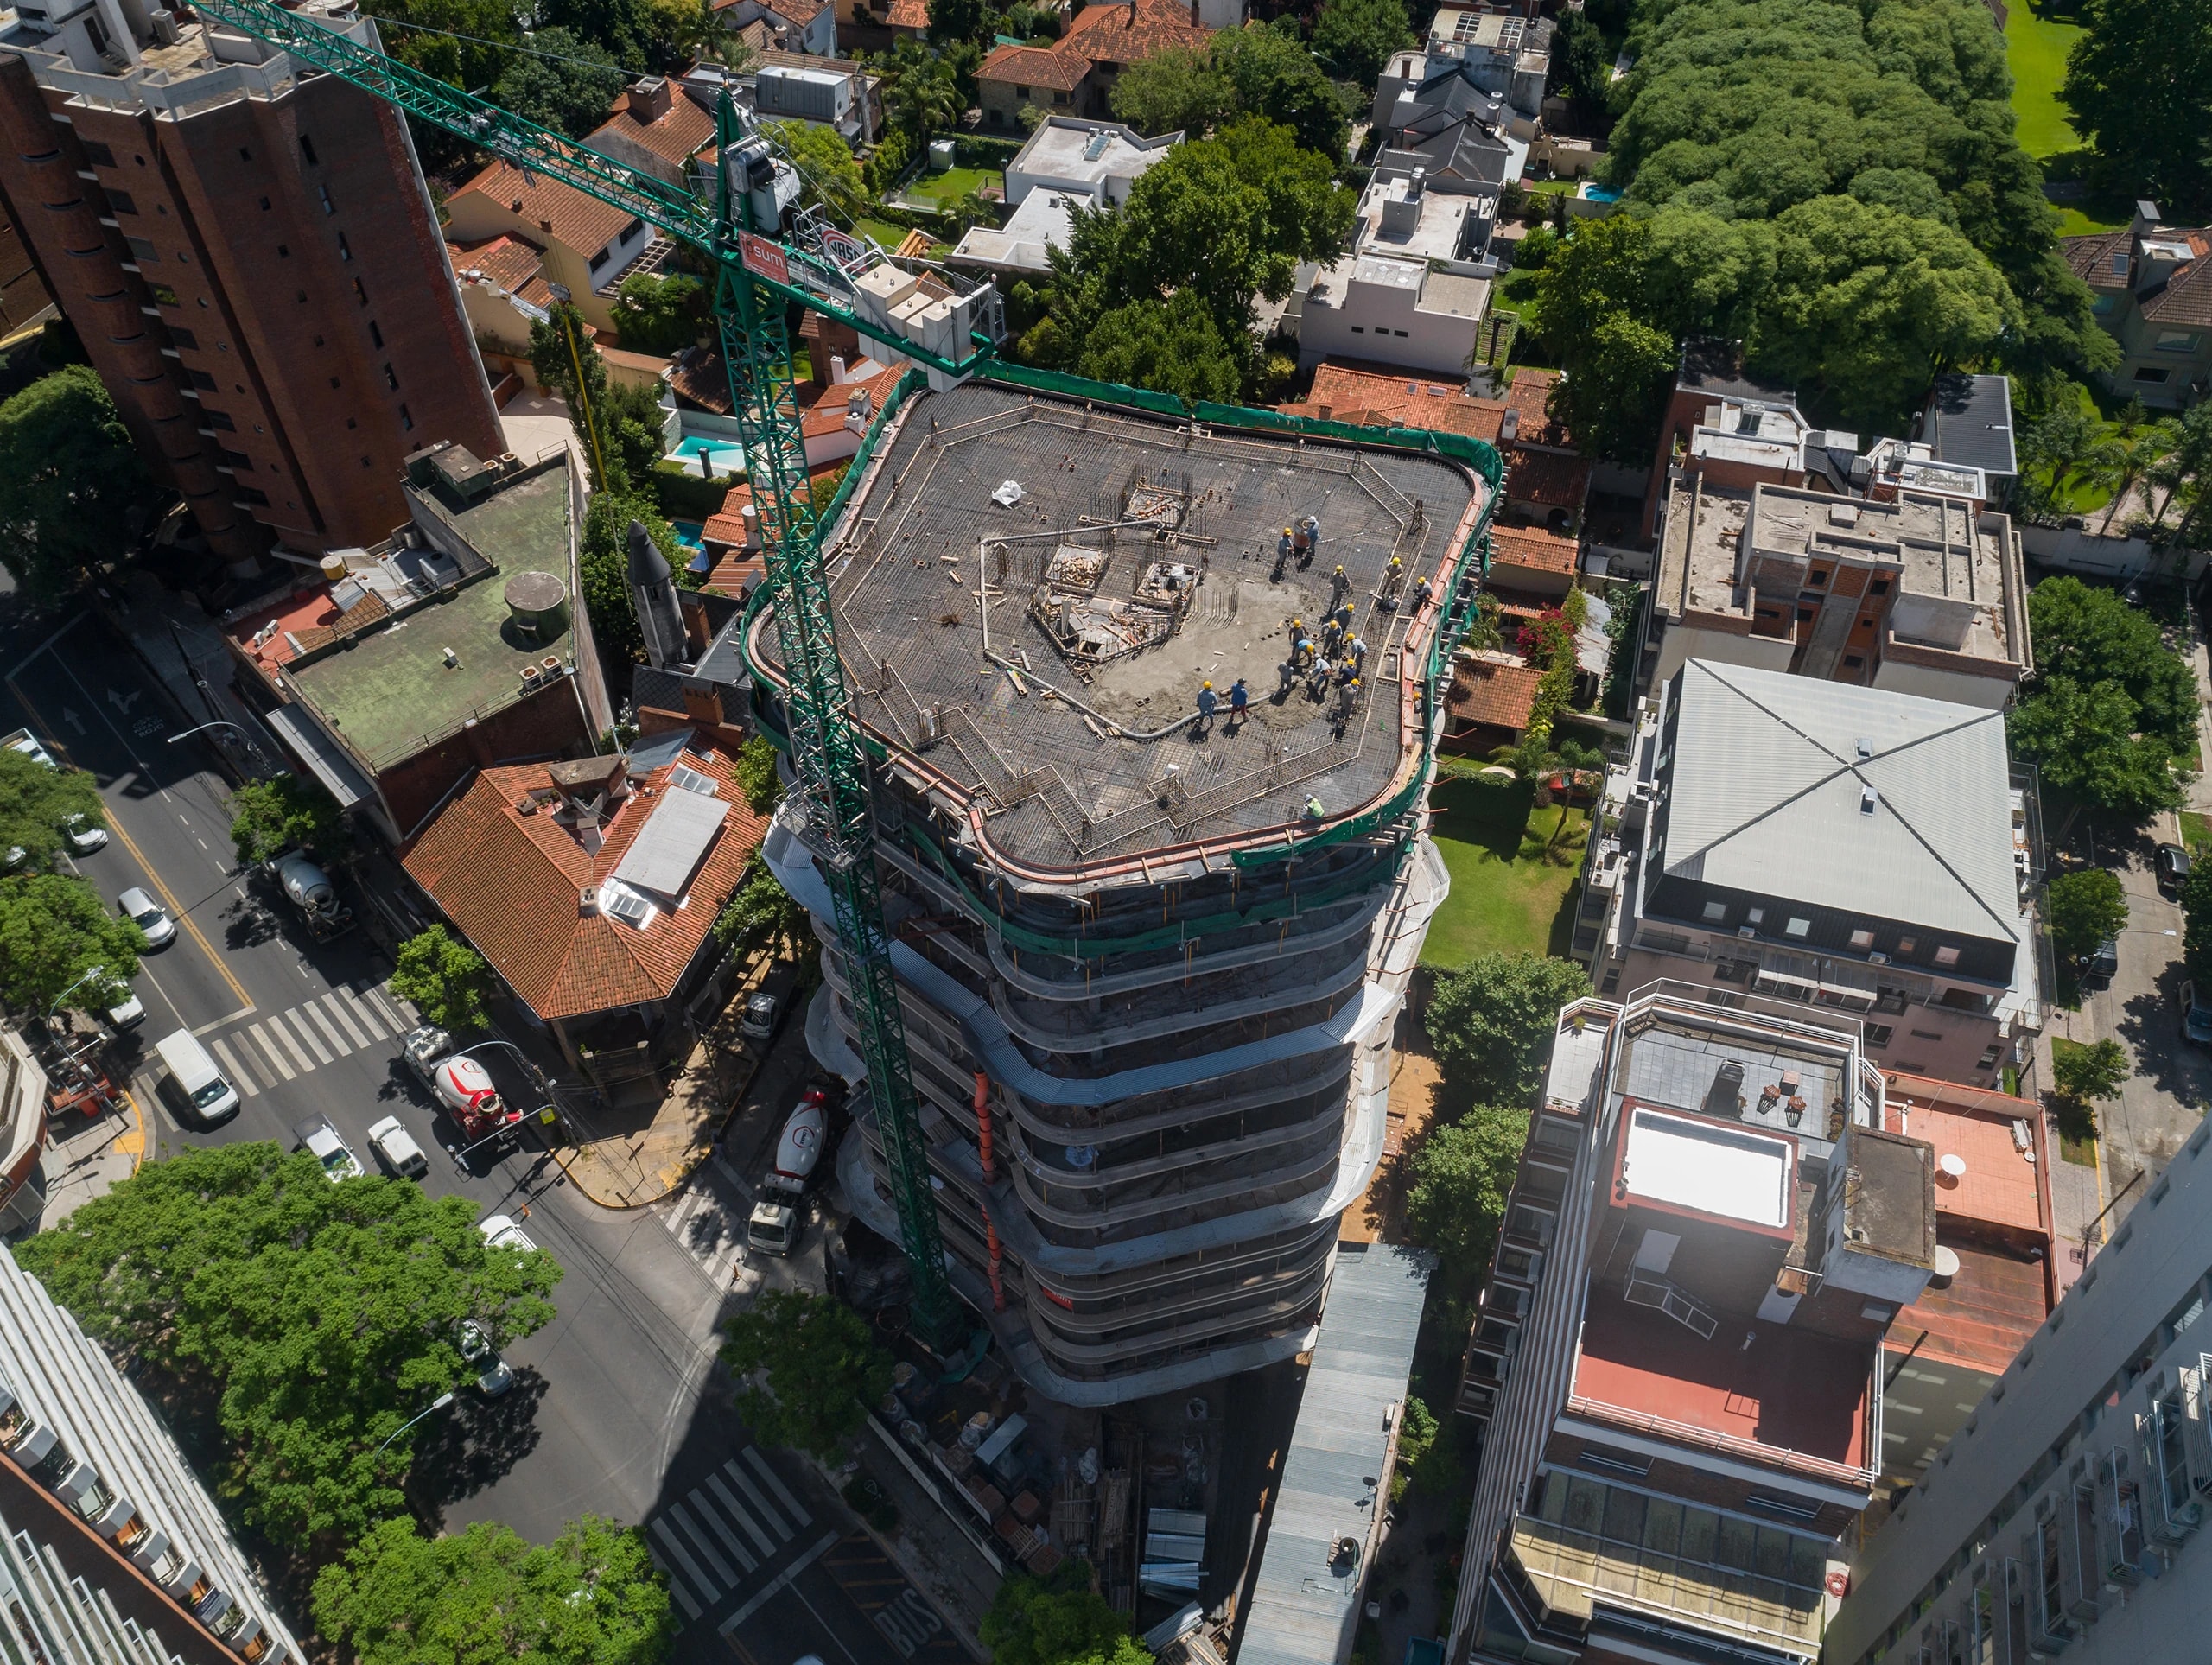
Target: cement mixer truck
(307, 888)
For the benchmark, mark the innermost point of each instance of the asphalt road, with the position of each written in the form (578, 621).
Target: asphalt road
(618, 1406)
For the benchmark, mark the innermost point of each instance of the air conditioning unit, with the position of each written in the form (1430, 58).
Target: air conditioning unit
(1746, 931)
(1877, 958)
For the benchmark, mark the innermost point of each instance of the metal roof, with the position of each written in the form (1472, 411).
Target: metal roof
(326, 761)
(1303, 1609)
(673, 843)
(1970, 422)
(1768, 794)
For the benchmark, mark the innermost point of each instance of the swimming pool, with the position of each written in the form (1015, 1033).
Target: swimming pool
(726, 455)
(688, 531)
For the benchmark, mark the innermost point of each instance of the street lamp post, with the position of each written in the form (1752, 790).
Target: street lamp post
(205, 727)
(437, 1404)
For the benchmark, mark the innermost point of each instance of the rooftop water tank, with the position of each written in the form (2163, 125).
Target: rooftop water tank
(537, 605)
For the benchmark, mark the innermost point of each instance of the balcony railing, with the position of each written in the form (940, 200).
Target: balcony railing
(1859, 1476)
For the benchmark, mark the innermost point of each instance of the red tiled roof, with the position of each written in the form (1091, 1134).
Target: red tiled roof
(1495, 692)
(2100, 261)
(677, 135)
(1112, 33)
(1528, 397)
(1055, 68)
(908, 14)
(1382, 397)
(509, 881)
(543, 205)
(516, 265)
(1530, 547)
(1548, 479)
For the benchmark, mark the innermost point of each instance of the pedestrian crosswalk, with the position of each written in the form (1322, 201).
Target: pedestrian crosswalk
(730, 1527)
(286, 1045)
(709, 1221)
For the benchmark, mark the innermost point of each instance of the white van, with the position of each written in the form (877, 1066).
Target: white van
(202, 1092)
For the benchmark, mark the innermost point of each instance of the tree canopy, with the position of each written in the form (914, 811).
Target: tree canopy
(825, 165)
(52, 930)
(1461, 1174)
(755, 768)
(1491, 1022)
(2110, 706)
(1353, 39)
(2082, 1072)
(2196, 923)
(659, 314)
(35, 800)
(603, 556)
(307, 1321)
(2085, 908)
(447, 980)
(820, 1366)
(1257, 70)
(591, 1596)
(562, 82)
(1171, 347)
(72, 491)
(286, 812)
(1057, 1621)
(2138, 79)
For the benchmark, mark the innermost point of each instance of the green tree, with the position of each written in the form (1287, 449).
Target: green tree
(2090, 634)
(307, 1321)
(1582, 69)
(52, 930)
(1170, 346)
(2085, 908)
(1177, 90)
(626, 28)
(662, 315)
(1491, 1022)
(571, 88)
(820, 1366)
(1417, 1431)
(591, 1596)
(2084, 1073)
(1274, 78)
(825, 163)
(700, 33)
(604, 558)
(1057, 1620)
(923, 98)
(2085, 743)
(447, 980)
(2126, 458)
(35, 800)
(1613, 401)
(2052, 447)
(755, 767)
(1355, 38)
(2138, 86)
(72, 491)
(1461, 1174)
(2196, 923)
(959, 20)
(762, 904)
(271, 816)
(460, 42)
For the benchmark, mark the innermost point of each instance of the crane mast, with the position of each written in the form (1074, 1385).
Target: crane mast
(757, 272)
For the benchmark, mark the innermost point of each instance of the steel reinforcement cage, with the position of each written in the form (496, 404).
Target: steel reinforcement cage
(1456, 598)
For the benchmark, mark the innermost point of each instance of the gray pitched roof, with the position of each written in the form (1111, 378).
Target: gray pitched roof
(1970, 421)
(1768, 789)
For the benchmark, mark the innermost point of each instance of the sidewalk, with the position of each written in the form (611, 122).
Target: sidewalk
(85, 1158)
(185, 651)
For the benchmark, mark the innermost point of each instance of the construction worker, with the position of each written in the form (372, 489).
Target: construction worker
(1301, 545)
(1301, 645)
(1339, 587)
(1325, 670)
(1239, 697)
(1343, 615)
(1420, 593)
(1333, 635)
(1288, 671)
(1313, 810)
(1282, 554)
(1347, 697)
(1356, 657)
(1393, 579)
(1312, 527)
(1207, 703)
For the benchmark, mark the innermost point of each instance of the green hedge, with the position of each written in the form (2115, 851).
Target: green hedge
(976, 150)
(683, 496)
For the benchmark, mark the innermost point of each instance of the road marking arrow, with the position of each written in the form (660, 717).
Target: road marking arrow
(72, 720)
(121, 701)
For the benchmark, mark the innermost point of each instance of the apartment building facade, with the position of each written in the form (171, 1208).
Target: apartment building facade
(2063, 1518)
(1677, 1358)
(250, 256)
(111, 1549)
(1860, 851)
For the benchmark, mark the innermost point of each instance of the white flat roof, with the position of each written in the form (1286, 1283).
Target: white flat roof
(1726, 1171)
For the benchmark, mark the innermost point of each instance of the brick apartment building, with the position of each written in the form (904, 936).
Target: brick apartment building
(248, 252)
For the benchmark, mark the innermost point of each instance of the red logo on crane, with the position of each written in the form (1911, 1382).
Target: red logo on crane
(764, 259)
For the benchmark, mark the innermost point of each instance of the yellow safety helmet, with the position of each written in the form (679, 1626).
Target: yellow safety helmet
(1286, 531)
(1354, 682)
(1298, 623)
(1340, 566)
(1208, 684)
(1393, 560)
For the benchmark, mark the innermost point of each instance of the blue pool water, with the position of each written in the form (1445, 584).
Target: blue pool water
(724, 453)
(687, 532)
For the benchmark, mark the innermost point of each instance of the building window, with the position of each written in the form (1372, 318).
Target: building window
(1906, 944)
(200, 379)
(1853, 661)
(248, 496)
(238, 460)
(1862, 940)
(636, 228)
(1990, 1055)
(1878, 1035)
(97, 153)
(306, 149)
(264, 205)
(163, 295)
(1607, 1459)
(1879, 587)
(603, 258)
(1819, 581)
(120, 202)
(390, 380)
(143, 251)
(2156, 374)
(1359, 329)
(375, 335)
(245, 154)
(345, 252)
(1946, 957)
(2170, 340)
(359, 294)
(1716, 912)
(220, 420)
(333, 383)
(283, 251)
(406, 422)
(1797, 928)
(328, 207)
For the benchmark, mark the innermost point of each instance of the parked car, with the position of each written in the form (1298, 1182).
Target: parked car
(147, 914)
(2171, 865)
(2102, 964)
(397, 1149)
(127, 1013)
(85, 834)
(501, 1232)
(773, 1228)
(320, 1140)
(764, 1007)
(492, 1375)
(2196, 1020)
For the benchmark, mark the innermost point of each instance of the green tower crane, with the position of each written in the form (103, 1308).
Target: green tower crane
(758, 271)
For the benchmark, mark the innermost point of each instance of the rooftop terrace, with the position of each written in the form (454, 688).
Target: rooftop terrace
(1128, 530)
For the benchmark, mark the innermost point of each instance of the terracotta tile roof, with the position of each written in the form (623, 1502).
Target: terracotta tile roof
(1547, 478)
(514, 264)
(827, 414)
(509, 881)
(2093, 259)
(908, 14)
(1057, 69)
(1380, 397)
(1112, 33)
(1493, 690)
(679, 133)
(698, 376)
(1530, 392)
(547, 207)
(1529, 547)
(800, 13)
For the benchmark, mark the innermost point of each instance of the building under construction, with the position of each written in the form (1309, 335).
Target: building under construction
(1149, 966)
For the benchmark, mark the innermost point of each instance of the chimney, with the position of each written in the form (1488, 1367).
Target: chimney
(836, 369)
(1194, 16)
(591, 788)
(648, 99)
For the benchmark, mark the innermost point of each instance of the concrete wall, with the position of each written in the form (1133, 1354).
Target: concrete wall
(1683, 642)
(1991, 693)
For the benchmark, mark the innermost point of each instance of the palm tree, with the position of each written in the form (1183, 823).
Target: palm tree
(924, 100)
(706, 36)
(1533, 758)
(2122, 460)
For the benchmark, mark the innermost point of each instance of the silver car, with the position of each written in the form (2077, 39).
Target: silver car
(492, 1375)
(147, 915)
(320, 1140)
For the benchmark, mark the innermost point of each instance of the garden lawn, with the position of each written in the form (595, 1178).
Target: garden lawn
(882, 231)
(1505, 896)
(948, 188)
(2036, 48)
